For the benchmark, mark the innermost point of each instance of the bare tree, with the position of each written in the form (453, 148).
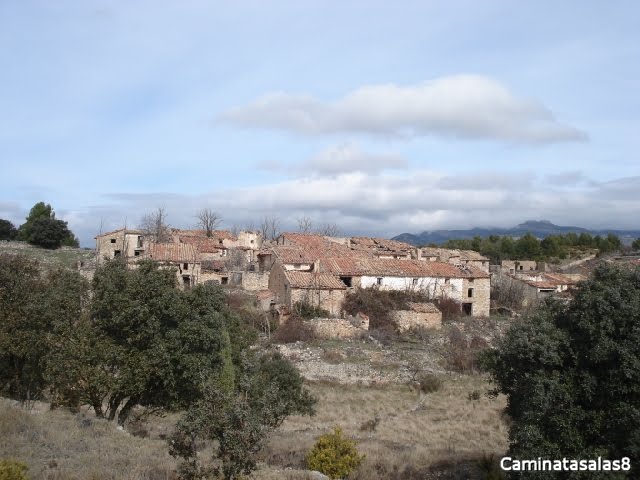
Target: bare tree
(208, 220)
(304, 224)
(154, 225)
(270, 227)
(329, 230)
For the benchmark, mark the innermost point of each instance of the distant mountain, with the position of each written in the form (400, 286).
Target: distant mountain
(538, 228)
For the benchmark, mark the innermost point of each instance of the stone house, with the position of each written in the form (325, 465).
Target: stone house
(536, 286)
(122, 243)
(468, 285)
(183, 257)
(419, 315)
(454, 256)
(514, 266)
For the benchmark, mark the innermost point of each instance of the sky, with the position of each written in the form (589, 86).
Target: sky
(379, 117)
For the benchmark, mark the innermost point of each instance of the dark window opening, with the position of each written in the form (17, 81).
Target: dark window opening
(415, 281)
(116, 253)
(136, 253)
(521, 267)
(113, 240)
(139, 245)
(185, 266)
(186, 280)
(470, 293)
(379, 281)
(466, 308)
(224, 280)
(220, 242)
(346, 281)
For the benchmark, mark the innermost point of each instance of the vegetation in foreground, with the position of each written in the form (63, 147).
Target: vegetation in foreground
(131, 342)
(581, 363)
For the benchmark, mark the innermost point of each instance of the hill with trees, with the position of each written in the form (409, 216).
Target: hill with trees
(537, 228)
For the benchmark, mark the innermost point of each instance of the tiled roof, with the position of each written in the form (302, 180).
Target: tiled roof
(397, 268)
(472, 255)
(173, 252)
(323, 281)
(203, 244)
(381, 245)
(125, 230)
(307, 240)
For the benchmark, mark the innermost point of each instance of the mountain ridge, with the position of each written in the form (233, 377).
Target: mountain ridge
(538, 228)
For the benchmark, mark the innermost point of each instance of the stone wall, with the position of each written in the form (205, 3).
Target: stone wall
(255, 281)
(330, 300)
(349, 327)
(481, 295)
(420, 316)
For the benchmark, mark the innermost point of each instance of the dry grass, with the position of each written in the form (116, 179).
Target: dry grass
(57, 445)
(62, 257)
(443, 430)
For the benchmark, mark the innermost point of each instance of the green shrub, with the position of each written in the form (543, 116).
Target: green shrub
(13, 470)
(334, 455)
(308, 311)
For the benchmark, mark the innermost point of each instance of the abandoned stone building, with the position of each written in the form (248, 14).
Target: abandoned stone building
(453, 256)
(535, 286)
(222, 257)
(309, 268)
(181, 256)
(124, 243)
(314, 255)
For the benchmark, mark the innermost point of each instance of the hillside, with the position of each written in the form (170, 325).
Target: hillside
(361, 385)
(538, 228)
(67, 257)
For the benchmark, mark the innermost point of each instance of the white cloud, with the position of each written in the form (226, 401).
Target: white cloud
(465, 106)
(383, 204)
(340, 158)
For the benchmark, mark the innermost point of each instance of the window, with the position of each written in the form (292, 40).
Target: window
(185, 266)
(136, 253)
(139, 245)
(346, 281)
(220, 241)
(224, 280)
(113, 240)
(116, 253)
(447, 281)
(379, 281)
(470, 293)
(415, 282)
(251, 241)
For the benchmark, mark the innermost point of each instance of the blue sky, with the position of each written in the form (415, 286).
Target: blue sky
(381, 117)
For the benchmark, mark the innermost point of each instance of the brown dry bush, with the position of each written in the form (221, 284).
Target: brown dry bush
(463, 355)
(377, 304)
(451, 310)
(293, 330)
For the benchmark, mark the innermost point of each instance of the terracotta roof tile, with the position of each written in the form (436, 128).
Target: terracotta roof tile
(203, 244)
(173, 252)
(125, 230)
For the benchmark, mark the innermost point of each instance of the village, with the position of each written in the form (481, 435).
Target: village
(318, 270)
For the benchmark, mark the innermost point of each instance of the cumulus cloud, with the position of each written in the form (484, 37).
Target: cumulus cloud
(464, 106)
